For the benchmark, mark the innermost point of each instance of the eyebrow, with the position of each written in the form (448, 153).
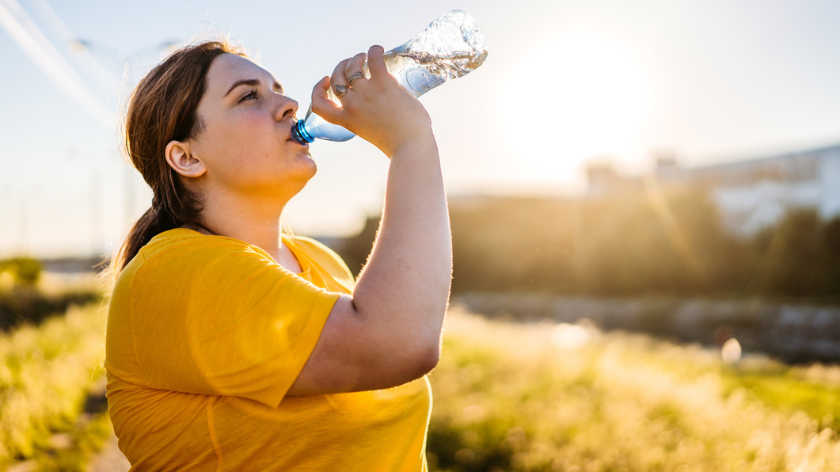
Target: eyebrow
(253, 83)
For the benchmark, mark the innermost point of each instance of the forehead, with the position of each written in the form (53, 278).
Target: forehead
(229, 68)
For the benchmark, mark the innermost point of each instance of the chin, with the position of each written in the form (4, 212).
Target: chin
(312, 166)
(301, 176)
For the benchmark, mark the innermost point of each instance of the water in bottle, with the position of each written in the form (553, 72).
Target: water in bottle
(449, 48)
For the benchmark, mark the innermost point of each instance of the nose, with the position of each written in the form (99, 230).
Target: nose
(286, 107)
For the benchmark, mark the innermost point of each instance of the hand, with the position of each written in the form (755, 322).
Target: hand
(378, 108)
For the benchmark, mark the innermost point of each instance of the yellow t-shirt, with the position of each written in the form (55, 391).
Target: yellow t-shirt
(205, 336)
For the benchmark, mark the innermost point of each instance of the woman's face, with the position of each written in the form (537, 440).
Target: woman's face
(246, 143)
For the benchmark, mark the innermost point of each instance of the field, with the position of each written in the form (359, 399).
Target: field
(548, 397)
(507, 397)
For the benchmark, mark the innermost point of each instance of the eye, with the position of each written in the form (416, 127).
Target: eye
(252, 95)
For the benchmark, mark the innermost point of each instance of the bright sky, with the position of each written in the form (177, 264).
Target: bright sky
(710, 80)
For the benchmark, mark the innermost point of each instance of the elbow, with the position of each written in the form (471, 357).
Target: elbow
(416, 359)
(426, 359)
(430, 358)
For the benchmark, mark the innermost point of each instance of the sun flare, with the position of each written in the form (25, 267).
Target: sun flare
(577, 96)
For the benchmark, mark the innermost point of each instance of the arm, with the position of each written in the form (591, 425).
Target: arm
(388, 332)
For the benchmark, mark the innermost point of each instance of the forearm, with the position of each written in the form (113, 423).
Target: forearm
(404, 287)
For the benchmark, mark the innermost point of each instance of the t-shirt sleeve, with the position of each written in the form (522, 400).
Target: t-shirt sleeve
(225, 320)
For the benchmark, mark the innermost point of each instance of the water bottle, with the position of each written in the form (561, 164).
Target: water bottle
(449, 48)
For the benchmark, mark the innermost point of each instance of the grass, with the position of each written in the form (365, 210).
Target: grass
(507, 397)
(86, 439)
(790, 391)
(46, 377)
(547, 397)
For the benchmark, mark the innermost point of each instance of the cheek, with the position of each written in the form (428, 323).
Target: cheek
(246, 134)
(244, 144)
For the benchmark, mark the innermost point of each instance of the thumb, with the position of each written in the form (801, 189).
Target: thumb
(322, 105)
(376, 64)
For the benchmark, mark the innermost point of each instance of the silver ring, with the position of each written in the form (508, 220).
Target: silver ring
(355, 76)
(340, 90)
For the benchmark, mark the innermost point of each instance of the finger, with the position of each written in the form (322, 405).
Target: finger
(321, 103)
(376, 63)
(354, 66)
(338, 77)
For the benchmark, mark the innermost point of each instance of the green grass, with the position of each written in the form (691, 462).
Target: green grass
(788, 391)
(508, 397)
(46, 375)
(87, 438)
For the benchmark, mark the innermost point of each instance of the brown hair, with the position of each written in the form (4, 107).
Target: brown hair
(162, 108)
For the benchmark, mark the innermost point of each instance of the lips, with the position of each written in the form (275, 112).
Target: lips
(291, 128)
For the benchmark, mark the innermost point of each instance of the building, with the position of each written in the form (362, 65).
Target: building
(752, 193)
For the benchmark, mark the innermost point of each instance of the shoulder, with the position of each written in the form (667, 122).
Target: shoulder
(206, 273)
(181, 241)
(186, 253)
(323, 255)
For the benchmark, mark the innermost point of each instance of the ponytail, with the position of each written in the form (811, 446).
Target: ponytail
(146, 228)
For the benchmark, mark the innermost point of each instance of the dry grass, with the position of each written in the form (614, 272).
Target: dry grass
(507, 397)
(547, 397)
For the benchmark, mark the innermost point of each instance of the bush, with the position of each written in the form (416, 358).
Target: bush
(655, 240)
(799, 257)
(27, 305)
(24, 270)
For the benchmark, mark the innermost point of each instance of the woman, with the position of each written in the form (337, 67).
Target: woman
(231, 346)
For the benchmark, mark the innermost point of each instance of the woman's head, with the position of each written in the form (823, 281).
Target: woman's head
(245, 148)
(204, 122)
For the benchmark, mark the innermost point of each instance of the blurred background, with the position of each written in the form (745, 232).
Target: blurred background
(645, 205)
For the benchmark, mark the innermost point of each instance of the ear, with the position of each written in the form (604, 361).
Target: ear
(178, 157)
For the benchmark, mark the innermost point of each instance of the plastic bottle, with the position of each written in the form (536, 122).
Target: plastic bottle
(449, 48)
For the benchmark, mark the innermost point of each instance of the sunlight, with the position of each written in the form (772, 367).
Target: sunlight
(578, 96)
(569, 336)
(731, 351)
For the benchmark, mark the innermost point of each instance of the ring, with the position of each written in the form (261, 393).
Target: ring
(354, 76)
(340, 90)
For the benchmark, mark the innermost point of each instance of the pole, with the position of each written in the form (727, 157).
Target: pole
(23, 227)
(95, 214)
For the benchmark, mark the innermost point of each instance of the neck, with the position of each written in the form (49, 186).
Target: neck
(253, 221)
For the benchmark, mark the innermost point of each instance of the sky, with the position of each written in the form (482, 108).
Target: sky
(565, 82)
